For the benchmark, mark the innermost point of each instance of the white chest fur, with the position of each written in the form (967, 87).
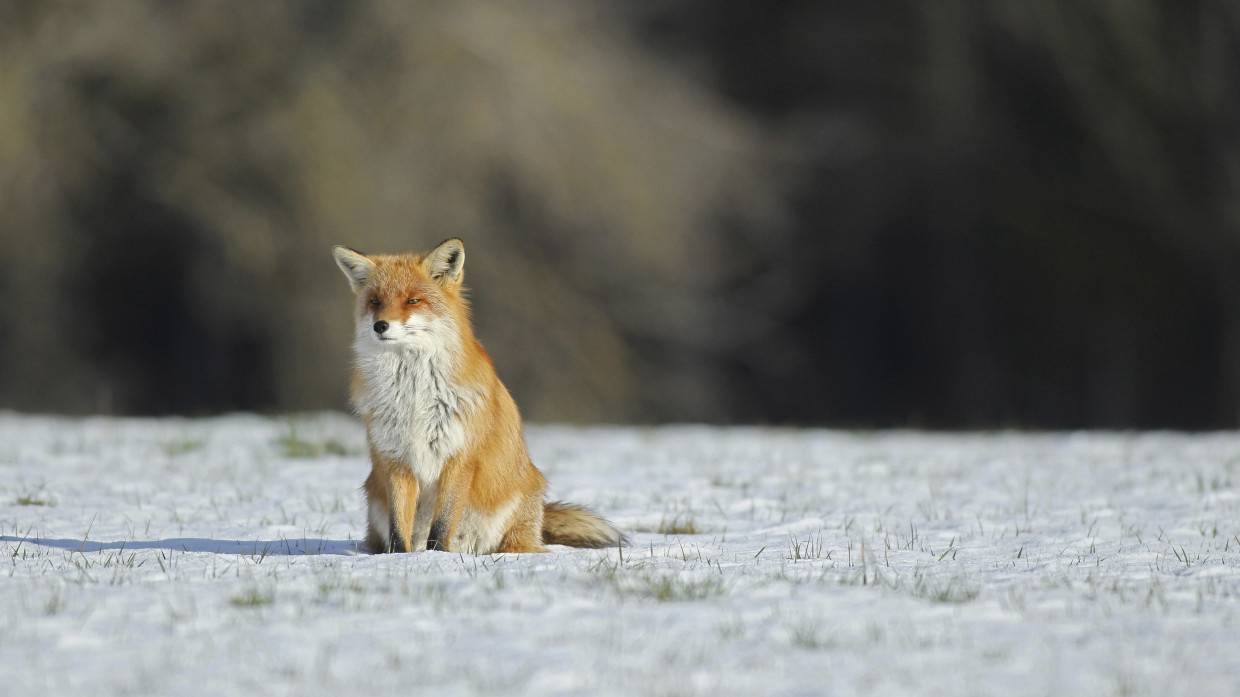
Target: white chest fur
(415, 411)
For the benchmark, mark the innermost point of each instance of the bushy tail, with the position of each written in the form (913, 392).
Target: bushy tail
(576, 526)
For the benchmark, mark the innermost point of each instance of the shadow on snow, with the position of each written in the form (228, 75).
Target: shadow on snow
(200, 544)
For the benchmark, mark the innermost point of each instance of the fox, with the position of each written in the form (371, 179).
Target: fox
(450, 469)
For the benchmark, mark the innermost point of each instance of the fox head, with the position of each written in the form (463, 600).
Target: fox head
(407, 301)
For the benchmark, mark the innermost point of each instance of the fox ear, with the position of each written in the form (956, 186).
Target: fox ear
(355, 265)
(446, 263)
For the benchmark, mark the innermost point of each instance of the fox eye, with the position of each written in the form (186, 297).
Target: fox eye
(375, 302)
(414, 301)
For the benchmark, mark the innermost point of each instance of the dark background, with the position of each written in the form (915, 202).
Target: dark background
(950, 214)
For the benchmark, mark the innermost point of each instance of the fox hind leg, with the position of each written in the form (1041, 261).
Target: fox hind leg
(378, 527)
(378, 515)
(524, 533)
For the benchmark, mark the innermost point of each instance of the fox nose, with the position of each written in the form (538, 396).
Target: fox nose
(380, 327)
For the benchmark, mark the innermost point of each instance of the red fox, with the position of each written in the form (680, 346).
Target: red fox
(449, 466)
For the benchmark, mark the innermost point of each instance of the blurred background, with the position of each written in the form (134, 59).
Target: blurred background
(957, 214)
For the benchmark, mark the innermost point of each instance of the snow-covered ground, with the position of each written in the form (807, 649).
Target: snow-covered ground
(217, 557)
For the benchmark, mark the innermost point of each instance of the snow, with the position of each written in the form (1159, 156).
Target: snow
(217, 557)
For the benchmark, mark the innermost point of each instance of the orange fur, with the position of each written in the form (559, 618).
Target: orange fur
(449, 465)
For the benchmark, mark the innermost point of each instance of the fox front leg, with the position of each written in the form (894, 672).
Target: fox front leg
(424, 517)
(403, 506)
